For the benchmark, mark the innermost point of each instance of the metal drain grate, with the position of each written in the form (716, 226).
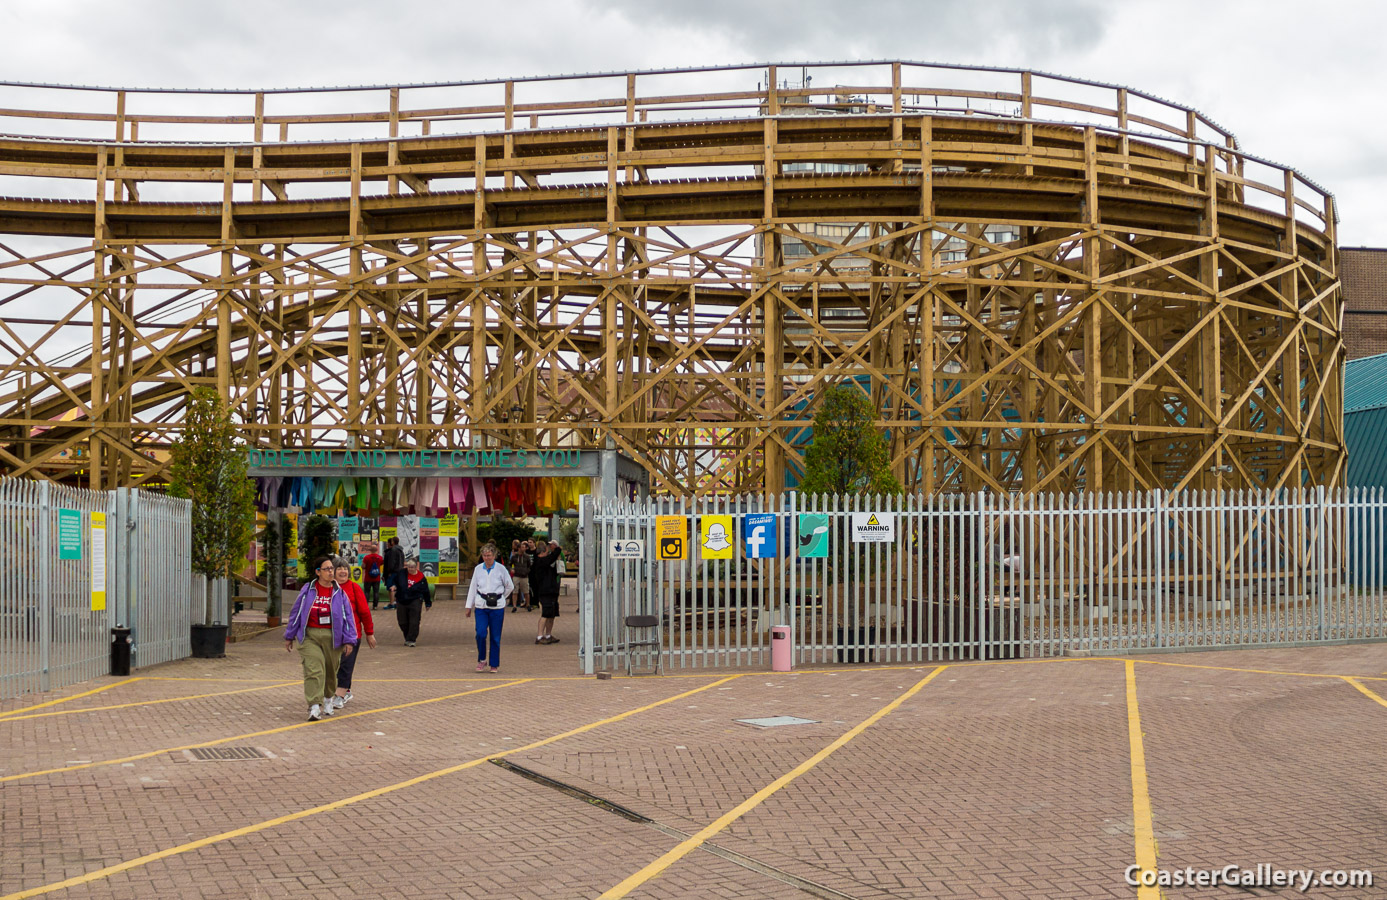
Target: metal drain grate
(777, 721)
(226, 754)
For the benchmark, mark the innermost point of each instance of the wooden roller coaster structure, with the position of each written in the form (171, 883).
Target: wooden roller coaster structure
(1044, 284)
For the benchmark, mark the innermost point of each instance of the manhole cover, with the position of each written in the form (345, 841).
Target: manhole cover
(226, 754)
(777, 721)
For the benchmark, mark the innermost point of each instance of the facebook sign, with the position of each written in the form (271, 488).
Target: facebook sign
(759, 535)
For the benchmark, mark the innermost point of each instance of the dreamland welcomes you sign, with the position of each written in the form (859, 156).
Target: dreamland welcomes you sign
(414, 459)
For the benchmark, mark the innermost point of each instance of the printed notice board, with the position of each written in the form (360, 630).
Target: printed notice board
(873, 528)
(672, 537)
(69, 534)
(758, 535)
(713, 534)
(98, 561)
(813, 536)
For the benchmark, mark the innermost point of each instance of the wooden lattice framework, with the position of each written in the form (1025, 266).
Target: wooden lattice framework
(1044, 284)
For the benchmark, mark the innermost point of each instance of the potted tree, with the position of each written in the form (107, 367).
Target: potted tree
(208, 467)
(317, 538)
(276, 557)
(847, 455)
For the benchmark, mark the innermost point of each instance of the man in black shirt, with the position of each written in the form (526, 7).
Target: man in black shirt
(394, 569)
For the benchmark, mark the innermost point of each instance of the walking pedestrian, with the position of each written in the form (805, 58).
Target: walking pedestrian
(325, 627)
(410, 601)
(520, 573)
(365, 629)
(372, 569)
(491, 585)
(544, 582)
(394, 568)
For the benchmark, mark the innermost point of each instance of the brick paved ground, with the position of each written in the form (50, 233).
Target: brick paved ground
(994, 780)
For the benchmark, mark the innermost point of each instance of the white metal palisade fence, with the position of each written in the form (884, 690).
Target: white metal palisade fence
(49, 634)
(985, 576)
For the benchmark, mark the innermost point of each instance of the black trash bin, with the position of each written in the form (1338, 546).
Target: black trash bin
(121, 645)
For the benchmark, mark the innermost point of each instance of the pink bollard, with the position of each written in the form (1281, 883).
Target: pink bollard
(782, 649)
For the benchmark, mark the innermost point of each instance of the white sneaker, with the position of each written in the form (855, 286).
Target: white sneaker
(328, 706)
(315, 712)
(340, 702)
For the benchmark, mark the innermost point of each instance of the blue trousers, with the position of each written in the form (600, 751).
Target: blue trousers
(489, 620)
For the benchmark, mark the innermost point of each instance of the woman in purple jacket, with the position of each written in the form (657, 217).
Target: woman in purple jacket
(323, 624)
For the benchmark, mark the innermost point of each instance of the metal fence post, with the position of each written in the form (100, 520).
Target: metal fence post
(791, 537)
(587, 558)
(1321, 558)
(45, 598)
(981, 555)
(1158, 602)
(132, 538)
(118, 535)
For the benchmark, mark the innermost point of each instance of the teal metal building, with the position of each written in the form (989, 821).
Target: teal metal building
(1365, 420)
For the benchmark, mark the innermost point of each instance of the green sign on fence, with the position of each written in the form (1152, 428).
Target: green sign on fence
(69, 534)
(813, 536)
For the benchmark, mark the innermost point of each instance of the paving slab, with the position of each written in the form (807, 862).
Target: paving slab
(1006, 779)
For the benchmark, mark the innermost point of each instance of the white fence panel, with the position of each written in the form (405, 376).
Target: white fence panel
(163, 608)
(993, 577)
(50, 633)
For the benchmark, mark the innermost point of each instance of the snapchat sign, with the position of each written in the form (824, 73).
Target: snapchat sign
(715, 537)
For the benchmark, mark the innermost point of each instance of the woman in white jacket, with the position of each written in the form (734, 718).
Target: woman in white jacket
(486, 595)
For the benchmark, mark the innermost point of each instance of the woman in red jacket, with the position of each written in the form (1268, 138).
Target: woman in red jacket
(364, 627)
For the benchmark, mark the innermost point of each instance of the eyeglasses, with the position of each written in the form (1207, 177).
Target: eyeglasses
(325, 568)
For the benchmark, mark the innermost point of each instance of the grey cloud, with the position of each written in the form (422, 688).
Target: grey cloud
(925, 30)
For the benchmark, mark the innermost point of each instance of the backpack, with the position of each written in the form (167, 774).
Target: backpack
(373, 570)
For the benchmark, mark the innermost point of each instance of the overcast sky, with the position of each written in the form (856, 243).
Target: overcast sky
(1298, 83)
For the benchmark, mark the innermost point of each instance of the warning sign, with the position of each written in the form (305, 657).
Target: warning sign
(873, 528)
(671, 537)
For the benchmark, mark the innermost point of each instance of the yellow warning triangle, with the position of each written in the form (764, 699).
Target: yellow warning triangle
(873, 520)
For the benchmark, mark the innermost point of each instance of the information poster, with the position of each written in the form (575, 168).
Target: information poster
(297, 564)
(758, 535)
(407, 530)
(716, 537)
(98, 561)
(812, 542)
(671, 537)
(448, 550)
(258, 545)
(387, 529)
(347, 528)
(69, 534)
(291, 543)
(428, 549)
(365, 544)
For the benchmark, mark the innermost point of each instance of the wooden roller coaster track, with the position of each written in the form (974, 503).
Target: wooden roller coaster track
(1044, 284)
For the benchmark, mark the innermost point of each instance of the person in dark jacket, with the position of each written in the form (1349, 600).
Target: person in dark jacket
(544, 583)
(410, 601)
(393, 569)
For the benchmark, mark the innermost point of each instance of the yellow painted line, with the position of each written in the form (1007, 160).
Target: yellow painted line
(88, 709)
(1354, 681)
(253, 734)
(1141, 796)
(1157, 662)
(104, 687)
(338, 804)
(693, 842)
(217, 680)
